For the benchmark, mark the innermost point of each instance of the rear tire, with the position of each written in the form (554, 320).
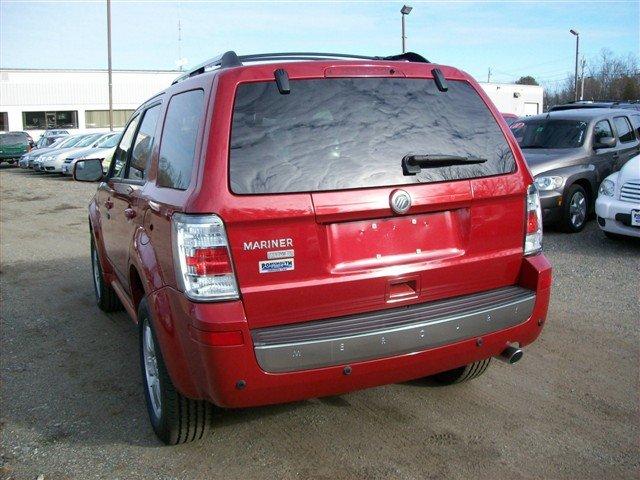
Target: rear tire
(462, 374)
(106, 297)
(575, 208)
(175, 418)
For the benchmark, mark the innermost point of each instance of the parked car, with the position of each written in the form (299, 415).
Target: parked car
(68, 141)
(13, 145)
(569, 153)
(510, 118)
(333, 226)
(635, 105)
(104, 147)
(49, 136)
(618, 203)
(53, 161)
(24, 159)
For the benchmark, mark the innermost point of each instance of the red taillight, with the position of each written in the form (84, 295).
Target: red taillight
(533, 226)
(532, 222)
(209, 261)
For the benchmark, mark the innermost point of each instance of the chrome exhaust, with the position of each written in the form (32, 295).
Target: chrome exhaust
(510, 355)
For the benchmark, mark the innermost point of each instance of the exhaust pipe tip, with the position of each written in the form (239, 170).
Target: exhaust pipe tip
(511, 355)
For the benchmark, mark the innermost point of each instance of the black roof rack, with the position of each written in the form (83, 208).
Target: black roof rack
(231, 59)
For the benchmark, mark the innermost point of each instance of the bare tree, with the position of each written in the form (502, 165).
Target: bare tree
(607, 77)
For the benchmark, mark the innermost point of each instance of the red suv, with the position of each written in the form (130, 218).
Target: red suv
(288, 226)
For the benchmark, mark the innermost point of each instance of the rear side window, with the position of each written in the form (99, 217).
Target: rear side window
(179, 139)
(143, 144)
(635, 120)
(336, 134)
(625, 132)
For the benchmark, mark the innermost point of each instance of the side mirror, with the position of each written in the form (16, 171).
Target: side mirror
(88, 170)
(604, 142)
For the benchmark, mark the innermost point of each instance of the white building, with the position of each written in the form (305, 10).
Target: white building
(521, 100)
(74, 100)
(77, 100)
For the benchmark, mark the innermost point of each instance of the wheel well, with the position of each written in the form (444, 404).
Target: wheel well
(584, 183)
(137, 289)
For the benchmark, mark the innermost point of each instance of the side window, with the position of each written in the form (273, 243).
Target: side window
(179, 139)
(122, 150)
(625, 132)
(635, 121)
(143, 144)
(601, 130)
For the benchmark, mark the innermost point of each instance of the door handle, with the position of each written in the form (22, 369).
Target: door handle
(108, 204)
(129, 213)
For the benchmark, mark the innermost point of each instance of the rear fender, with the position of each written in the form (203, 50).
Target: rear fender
(144, 263)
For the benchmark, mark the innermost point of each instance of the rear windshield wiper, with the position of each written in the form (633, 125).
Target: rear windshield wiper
(412, 164)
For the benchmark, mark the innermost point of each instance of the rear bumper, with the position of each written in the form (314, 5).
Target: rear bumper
(232, 376)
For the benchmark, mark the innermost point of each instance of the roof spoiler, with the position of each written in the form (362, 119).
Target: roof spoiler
(231, 59)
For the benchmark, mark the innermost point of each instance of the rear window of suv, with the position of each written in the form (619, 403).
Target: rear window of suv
(337, 134)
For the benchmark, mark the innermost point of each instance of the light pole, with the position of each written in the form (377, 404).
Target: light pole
(575, 81)
(405, 10)
(109, 65)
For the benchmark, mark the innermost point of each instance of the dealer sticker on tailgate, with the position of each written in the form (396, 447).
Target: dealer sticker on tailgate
(269, 266)
(635, 218)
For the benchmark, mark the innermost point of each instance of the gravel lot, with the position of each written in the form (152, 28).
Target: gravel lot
(72, 404)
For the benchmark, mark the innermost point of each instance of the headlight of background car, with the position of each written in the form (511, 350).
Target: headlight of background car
(549, 183)
(607, 188)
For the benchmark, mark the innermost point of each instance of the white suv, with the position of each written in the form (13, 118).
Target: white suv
(618, 203)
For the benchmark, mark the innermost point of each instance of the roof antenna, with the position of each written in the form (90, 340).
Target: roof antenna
(282, 80)
(181, 61)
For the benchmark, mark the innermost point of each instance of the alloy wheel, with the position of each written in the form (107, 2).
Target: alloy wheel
(151, 369)
(577, 209)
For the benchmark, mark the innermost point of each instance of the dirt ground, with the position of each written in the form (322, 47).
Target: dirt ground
(72, 403)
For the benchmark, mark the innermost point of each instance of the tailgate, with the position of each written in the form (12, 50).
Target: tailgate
(319, 168)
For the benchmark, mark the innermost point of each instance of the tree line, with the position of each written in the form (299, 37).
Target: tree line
(606, 77)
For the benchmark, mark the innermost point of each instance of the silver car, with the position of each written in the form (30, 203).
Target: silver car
(64, 142)
(102, 147)
(53, 161)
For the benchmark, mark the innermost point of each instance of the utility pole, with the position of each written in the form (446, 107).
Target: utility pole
(405, 10)
(583, 64)
(575, 79)
(489, 75)
(109, 65)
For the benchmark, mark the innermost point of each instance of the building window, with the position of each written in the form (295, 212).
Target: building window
(100, 118)
(4, 122)
(48, 120)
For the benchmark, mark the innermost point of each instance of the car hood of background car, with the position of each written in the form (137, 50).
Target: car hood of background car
(66, 152)
(88, 152)
(41, 151)
(543, 160)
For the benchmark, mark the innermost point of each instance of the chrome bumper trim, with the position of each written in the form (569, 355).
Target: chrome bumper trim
(390, 332)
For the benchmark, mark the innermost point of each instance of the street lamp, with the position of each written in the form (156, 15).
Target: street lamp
(575, 81)
(109, 65)
(405, 10)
